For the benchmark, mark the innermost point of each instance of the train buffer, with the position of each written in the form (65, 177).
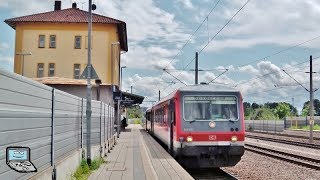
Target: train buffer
(137, 156)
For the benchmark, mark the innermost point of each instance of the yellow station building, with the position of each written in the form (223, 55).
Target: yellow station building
(54, 44)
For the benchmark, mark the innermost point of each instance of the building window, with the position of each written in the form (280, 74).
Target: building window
(52, 43)
(40, 70)
(77, 42)
(51, 70)
(41, 43)
(76, 70)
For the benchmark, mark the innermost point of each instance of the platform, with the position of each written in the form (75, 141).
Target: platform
(137, 156)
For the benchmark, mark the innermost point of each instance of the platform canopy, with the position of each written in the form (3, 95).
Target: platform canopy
(129, 99)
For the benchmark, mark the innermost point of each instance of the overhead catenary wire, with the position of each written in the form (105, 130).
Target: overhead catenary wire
(204, 20)
(211, 39)
(279, 52)
(273, 72)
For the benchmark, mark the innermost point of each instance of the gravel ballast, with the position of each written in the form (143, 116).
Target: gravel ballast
(255, 166)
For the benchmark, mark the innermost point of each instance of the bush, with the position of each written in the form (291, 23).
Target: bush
(84, 170)
(95, 164)
(137, 121)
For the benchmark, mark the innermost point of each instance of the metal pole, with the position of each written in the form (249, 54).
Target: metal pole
(89, 92)
(118, 119)
(81, 124)
(196, 69)
(159, 95)
(104, 128)
(52, 135)
(311, 122)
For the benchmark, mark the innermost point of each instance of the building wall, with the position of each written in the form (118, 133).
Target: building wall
(81, 91)
(65, 55)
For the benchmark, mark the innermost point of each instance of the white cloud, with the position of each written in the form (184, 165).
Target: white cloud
(248, 69)
(4, 3)
(186, 3)
(4, 46)
(6, 63)
(273, 22)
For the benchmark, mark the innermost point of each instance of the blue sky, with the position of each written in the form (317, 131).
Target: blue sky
(157, 30)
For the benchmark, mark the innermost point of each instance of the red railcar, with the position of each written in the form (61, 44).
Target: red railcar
(202, 125)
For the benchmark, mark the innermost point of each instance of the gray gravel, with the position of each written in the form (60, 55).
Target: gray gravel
(255, 166)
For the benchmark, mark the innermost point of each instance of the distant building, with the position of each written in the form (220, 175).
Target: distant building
(58, 42)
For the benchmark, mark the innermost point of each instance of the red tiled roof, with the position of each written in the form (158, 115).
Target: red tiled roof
(71, 15)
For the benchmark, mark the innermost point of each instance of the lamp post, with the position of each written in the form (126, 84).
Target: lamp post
(118, 118)
(122, 67)
(22, 64)
(89, 87)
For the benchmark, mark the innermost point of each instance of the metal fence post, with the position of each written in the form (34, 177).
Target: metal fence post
(81, 123)
(109, 127)
(104, 128)
(108, 116)
(54, 171)
(253, 125)
(100, 124)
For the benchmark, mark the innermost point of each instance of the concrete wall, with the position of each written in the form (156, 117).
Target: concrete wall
(32, 114)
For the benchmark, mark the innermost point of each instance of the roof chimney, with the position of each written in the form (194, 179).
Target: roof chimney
(57, 5)
(74, 5)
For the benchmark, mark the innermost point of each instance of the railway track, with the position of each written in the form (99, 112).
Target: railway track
(209, 173)
(289, 157)
(301, 144)
(285, 135)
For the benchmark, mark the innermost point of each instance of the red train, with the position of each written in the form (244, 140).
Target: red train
(202, 125)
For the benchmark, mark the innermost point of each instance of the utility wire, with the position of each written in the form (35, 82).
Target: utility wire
(204, 47)
(204, 20)
(295, 80)
(175, 77)
(279, 52)
(214, 36)
(218, 76)
(259, 77)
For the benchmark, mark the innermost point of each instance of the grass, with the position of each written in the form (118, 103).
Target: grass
(315, 127)
(137, 121)
(84, 170)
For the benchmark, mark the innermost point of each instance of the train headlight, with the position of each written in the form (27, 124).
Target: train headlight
(234, 139)
(212, 124)
(189, 139)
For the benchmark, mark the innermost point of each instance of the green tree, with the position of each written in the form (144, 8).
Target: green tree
(134, 112)
(255, 106)
(264, 114)
(282, 110)
(248, 111)
(316, 105)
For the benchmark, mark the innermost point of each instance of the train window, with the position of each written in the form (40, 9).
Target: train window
(210, 108)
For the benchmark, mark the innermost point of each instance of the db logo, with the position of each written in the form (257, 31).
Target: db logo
(212, 137)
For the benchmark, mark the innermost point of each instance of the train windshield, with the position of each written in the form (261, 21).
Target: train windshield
(210, 108)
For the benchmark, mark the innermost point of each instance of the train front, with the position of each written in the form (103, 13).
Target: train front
(212, 131)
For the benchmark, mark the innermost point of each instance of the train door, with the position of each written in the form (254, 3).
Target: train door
(171, 115)
(152, 121)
